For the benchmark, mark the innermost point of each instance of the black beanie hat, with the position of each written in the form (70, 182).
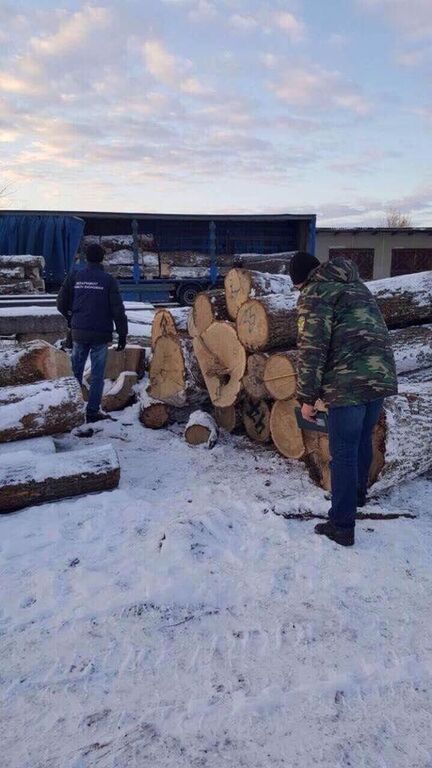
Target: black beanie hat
(95, 253)
(301, 265)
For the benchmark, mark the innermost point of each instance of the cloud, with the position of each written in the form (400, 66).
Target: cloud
(315, 87)
(243, 23)
(11, 84)
(73, 31)
(288, 23)
(413, 18)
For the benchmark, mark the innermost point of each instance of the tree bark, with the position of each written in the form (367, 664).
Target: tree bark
(412, 348)
(404, 300)
(22, 286)
(27, 479)
(154, 414)
(175, 377)
(44, 408)
(403, 438)
(30, 362)
(243, 284)
(222, 360)
(253, 380)
(209, 307)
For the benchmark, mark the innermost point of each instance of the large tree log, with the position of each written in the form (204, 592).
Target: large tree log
(27, 478)
(404, 300)
(403, 439)
(268, 323)
(201, 428)
(242, 284)
(256, 420)
(32, 320)
(33, 361)
(10, 275)
(271, 322)
(253, 380)
(23, 286)
(175, 377)
(154, 414)
(285, 433)
(421, 376)
(222, 360)
(412, 348)
(44, 408)
(207, 308)
(169, 322)
(280, 376)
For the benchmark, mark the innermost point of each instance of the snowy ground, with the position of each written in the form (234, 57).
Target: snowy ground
(182, 622)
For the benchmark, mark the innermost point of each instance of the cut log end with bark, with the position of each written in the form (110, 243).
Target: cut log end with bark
(201, 429)
(222, 360)
(121, 394)
(169, 323)
(27, 478)
(286, 435)
(32, 361)
(243, 284)
(209, 307)
(174, 373)
(253, 380)
(280, 378)
(230, 419)
(268, 323)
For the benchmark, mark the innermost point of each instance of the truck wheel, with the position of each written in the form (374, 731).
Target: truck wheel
(187, 294)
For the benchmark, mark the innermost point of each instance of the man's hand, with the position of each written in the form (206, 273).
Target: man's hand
(308, 412)
(121, 343)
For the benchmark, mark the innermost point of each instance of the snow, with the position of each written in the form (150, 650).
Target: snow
(27, 311)
(39, 445)
(17, 259)
(20, 403)
(419, 285)
(181, 622)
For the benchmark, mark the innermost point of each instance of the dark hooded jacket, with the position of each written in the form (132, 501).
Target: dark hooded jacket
(344, 351)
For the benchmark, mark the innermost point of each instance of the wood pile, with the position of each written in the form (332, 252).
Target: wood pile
(21, 274)
(236, 352)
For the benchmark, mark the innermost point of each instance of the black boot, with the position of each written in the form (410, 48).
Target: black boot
(342, 536)
(93, 416)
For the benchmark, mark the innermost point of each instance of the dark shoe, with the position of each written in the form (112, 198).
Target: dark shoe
(342, 536)
(93, 416)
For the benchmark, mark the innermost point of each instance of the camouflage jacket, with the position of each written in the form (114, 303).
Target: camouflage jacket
(344, 350)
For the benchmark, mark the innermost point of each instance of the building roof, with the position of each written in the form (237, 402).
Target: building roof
(374, 230)
(166, 216)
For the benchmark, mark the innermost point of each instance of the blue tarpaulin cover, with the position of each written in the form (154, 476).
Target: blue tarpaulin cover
(56, 238)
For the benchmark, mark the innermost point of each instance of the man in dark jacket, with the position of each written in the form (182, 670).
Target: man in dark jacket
(345, 358)
(90, 301)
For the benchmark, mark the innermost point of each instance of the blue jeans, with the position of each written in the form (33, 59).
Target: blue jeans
(98, 356)
(350, 438)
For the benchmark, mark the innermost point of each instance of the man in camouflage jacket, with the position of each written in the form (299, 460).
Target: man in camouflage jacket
(345, 358)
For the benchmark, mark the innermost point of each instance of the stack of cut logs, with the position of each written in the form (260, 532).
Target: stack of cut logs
(234, 354)
(21, 274)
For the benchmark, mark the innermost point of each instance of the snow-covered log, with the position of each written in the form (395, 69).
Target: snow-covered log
(27, 478)
(173, 321)
(44, 408)
(121, 393)
(403, 439)
(20, 287)
(201, 428)
(404, 300)
(10, 275)
(35, 360)
(222, 360)
(175, 377)
(412, 348)
(242, 284)
(154, 414)
(37, 445)
(31, 320)
(208, 307)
